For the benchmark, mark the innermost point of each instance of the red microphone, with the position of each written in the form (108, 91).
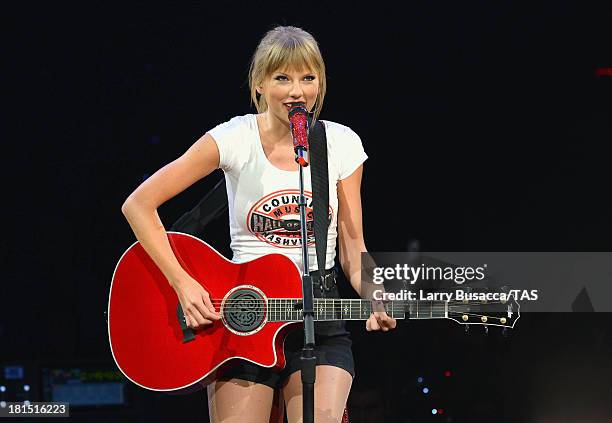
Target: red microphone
(298, 120)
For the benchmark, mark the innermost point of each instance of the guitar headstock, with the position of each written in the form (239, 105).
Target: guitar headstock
(502, 312)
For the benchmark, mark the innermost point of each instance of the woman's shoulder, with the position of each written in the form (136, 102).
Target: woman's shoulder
(345, 148)
(236, 127)
(335, 126)
(239, 121)
(233, 138)
(339, 133)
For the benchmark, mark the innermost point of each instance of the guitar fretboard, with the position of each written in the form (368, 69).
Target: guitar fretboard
(290, 309)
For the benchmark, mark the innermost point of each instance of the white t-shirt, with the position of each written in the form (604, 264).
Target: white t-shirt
(263, 199)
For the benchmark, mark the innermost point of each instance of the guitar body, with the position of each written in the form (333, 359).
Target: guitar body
(146, 338)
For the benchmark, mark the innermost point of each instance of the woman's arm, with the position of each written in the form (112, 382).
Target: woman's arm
(350, 228)
(352, 244)
(140, 210)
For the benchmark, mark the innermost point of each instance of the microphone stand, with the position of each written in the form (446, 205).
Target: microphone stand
(308, 357)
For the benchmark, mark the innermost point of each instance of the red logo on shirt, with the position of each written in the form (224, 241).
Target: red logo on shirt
(275, 219)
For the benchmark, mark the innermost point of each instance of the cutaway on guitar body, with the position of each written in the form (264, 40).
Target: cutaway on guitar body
(145, 333)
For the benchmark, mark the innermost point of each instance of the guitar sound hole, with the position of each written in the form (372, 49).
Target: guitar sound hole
(244, 310)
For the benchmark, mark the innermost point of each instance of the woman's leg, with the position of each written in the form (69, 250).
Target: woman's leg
(332, 388)
(237, 401)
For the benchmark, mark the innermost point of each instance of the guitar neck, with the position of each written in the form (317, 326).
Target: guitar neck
(326, 309)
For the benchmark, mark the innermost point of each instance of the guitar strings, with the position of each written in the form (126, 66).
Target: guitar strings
(413, 316)
(240, 305)
(349, 307)
(425, 302)
(275, 306)
(440, 311)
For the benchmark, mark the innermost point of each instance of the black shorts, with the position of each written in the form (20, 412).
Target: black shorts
(329, 350)
(332, 348)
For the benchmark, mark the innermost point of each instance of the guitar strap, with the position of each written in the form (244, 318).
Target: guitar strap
(319, 175)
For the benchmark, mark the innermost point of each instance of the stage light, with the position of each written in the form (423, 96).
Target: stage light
(603, 71)
(440, 411)
(426, 390)
(447, 373)
(419, 379)
(2, 404)
(2, 388)
(26, 402)
(26, 388)
(434, 411)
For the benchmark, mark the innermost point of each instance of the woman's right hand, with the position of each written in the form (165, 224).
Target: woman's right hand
(195, 301)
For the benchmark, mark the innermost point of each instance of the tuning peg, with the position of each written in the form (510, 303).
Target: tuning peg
(486, 329)
(467, 329)
(505, 332)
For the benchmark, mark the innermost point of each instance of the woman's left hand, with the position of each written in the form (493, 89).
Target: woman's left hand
(379, 320)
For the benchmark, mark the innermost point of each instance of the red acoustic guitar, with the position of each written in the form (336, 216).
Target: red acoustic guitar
(259, 302)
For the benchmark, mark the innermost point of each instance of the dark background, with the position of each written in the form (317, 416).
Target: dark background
(485, 122)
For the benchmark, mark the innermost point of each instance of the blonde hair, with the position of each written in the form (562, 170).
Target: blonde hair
(286, 47)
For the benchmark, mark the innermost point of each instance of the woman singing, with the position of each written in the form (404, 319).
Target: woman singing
(255, 152)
